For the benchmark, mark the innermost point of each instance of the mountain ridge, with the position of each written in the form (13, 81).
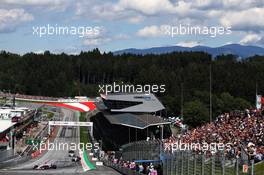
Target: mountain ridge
(242, 51)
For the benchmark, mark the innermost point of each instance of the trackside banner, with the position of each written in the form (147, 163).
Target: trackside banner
(259, 101)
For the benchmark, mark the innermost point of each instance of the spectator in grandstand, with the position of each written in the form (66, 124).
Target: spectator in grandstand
(259, 157)
(251, 149)
(132, 166)
(145, 169)
(141, 168)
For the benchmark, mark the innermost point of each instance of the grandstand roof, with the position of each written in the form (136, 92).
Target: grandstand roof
(136, 121)
(5, 124)
(147, 103)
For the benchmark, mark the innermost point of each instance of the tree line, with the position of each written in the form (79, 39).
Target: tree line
(185, 74)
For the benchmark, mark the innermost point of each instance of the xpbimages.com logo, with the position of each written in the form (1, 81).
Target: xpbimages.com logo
(55, 30)
(130, 88)
(61, 146)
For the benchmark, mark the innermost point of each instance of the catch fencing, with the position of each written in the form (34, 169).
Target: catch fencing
(188, 162)
(191, 163)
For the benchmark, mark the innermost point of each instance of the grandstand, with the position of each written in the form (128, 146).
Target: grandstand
(243, 130)
(128, 118)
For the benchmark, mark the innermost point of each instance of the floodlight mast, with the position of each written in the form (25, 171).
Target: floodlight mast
(211, 118)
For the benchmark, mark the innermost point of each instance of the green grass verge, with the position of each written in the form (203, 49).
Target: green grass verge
(50, 115)
(259, 169)
(83, 130)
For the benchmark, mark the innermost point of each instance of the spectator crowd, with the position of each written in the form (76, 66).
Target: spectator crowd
(243, 131)
(149, 168)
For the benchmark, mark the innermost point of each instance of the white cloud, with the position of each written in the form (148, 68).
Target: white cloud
(97, 39)
(97, 10)
(149, 7)
(97, 31)
(72, 50)
(32, 2)
(188, 44)
(205, 4)
(150, 31)
(229, 42)
(247, 20)
(121, 36)
(136, 19)
(39, 51)
(134, 11)
(102, 37)
(250, 39)
(10, 19)
(203, 12)
(226, 4)
(95, 42)
(242, 4)
(45, 4)
(159, 7)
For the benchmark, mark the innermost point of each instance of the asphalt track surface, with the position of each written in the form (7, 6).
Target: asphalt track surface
(59, 156)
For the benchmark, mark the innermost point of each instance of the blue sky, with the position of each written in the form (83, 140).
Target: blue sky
(127, 23)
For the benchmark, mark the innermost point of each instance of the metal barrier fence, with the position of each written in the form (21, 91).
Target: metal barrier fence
(6, 154)
(142, 150)
(15, 161)
(190, 163)
(187, 162)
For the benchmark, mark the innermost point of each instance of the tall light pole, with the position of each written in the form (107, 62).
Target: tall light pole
(210, 113)
(182, 101)
(256, 87)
